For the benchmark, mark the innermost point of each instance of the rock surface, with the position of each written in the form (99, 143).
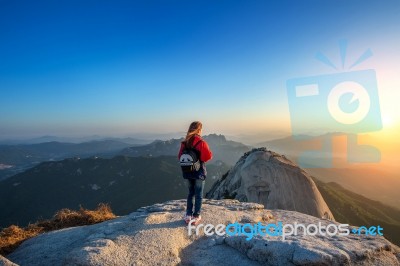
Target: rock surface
(6, 262)
(156, 235)
(268, 178)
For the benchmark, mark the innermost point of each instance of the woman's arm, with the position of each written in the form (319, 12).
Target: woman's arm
(180, 151)
(205, 152)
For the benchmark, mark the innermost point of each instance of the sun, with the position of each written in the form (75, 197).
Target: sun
(387, 121)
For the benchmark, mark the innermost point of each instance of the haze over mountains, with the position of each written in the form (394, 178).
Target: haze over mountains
(46, 181)
(138, 138)
(24, 156)
(17, 158)
(352, 208)
(223, 150)
(379, 181)
(126, 183)
(50, 178)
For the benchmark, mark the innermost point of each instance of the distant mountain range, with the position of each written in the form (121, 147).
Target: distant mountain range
(40, 180)
(335, 147)
(15, 159)
(76, 140)
(293, 146)
(223, 150)
(126, 183)
(378, 181)
(21, 157)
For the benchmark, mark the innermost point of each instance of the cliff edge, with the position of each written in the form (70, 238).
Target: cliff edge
(156, 235)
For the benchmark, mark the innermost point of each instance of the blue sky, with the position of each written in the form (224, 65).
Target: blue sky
(121, 67)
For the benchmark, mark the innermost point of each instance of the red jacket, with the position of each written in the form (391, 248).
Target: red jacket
(205, 152)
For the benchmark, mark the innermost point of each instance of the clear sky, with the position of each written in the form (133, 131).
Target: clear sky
(121, 67)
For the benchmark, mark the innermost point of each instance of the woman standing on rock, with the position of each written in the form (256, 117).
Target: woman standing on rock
(193, 154)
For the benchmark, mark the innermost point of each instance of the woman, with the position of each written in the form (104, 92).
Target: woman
(195, 179)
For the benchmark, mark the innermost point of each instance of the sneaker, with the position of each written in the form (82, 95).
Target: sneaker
(187, 218)
(196, 219)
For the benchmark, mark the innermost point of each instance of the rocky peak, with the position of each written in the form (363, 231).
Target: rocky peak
(215, 138)
(271, 179)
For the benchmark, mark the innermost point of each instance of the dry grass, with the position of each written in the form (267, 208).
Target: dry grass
(12, 236)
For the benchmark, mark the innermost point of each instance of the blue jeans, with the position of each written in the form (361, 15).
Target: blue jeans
(196, 187)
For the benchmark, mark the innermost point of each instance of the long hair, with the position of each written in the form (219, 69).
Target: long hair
(194, 129)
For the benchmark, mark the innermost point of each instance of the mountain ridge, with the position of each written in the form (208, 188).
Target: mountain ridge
(124, 182)
(224, 150)
(15, 159)
(353, 208)
(24, 156)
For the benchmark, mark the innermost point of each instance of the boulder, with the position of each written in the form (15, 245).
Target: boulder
(271, 179)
